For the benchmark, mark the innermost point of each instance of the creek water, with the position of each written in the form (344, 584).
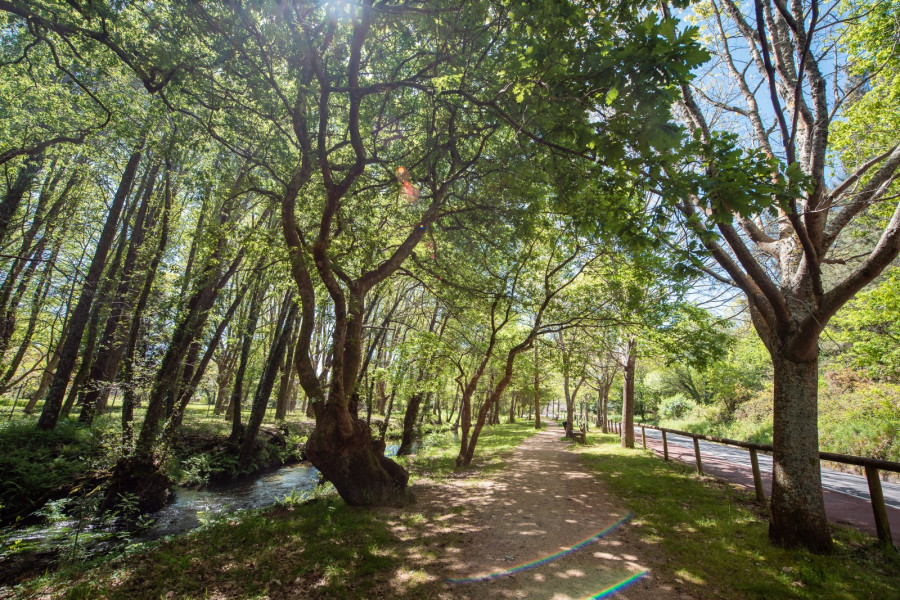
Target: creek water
(61, 535)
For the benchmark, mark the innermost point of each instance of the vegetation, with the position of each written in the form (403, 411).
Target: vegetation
(309, 546)
(232, 230)
(717, 536)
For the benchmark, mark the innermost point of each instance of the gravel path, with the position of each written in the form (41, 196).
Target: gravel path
(545, 503)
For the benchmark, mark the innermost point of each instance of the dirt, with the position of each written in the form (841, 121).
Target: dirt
(484, 533)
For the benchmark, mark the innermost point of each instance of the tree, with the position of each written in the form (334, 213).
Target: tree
(776, 223)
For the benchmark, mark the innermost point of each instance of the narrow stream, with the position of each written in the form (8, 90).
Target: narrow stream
(41, 545)
(192, 507)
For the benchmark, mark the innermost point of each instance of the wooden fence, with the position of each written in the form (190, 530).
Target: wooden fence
(871, 466)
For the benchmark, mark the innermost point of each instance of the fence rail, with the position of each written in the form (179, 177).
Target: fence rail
(871, 466)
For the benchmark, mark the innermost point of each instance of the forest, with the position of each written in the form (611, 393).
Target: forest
(235, 235)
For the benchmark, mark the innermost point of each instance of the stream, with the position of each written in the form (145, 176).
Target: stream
(32, 549)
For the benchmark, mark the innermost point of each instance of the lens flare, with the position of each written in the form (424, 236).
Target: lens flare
(617, 587)
(409, 192)
(547, 559)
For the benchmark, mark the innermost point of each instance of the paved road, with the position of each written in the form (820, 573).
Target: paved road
(846, 494)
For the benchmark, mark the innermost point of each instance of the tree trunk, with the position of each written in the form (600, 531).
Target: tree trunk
(409, 420)
(69, 351)
(285, 386)
(14, 194)
(252, 318)
(283, 329)
(797, 509)
(537, 389)
(112, 342)
(129, 395)
(628, 395)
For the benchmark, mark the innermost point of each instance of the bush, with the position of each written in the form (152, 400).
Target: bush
(675, 407)
(861, 419)
(38, 465)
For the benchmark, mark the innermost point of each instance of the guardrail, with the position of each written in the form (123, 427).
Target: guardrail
(870, 465)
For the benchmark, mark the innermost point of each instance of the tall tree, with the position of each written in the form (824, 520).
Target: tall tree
(776, 222)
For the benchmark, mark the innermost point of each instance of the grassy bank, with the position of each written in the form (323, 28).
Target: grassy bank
(855, 417)
(305, 547)
(716, 535)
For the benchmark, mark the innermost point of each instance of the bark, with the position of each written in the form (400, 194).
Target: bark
(537, 389)
(129, 395)
(252, 318)
(797, 511)
(112, 342)
(37, 302)
(283, 328)
(415, 401)
(69, 351)
(628, 395)
(409, 421)
(32, 251)
(285, 385)
(89, 338)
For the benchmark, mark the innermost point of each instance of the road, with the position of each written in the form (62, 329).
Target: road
(846, 494)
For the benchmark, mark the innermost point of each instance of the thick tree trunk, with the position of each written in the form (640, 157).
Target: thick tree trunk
(355, 464)
(797, 510)
(628, 396)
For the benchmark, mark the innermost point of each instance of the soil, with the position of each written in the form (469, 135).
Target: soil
(544, 502)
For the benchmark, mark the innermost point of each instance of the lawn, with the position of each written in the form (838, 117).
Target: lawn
(716, 535)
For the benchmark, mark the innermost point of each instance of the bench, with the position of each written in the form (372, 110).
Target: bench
(580, 436)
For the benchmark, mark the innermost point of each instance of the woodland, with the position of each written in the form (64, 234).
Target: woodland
(235, 234)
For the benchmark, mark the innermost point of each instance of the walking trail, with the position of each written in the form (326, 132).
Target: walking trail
(543, 527)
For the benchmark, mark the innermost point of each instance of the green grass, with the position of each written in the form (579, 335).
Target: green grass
(716, 536)
(323, 549)
(317, 549)
(437, 455)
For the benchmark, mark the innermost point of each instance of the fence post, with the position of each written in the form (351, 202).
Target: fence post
(643, 438)
(697, 454)
(882, 525)
(665, 446)
(757, 477)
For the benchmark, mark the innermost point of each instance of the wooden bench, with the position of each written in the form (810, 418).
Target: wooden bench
(580, 436)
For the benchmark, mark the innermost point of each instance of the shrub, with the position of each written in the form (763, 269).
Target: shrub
(675, 407)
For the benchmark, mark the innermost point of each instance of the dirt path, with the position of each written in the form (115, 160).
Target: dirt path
(490, 531)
